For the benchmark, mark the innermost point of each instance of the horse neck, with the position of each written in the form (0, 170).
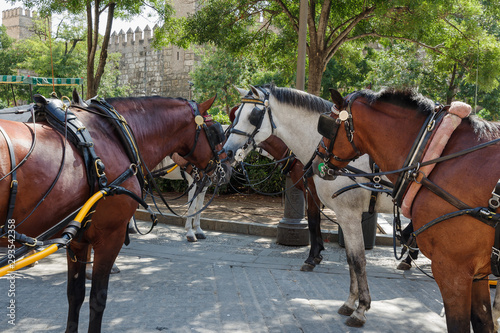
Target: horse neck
(297, 128)
(275, 147)
(389, 141)
(160, 130)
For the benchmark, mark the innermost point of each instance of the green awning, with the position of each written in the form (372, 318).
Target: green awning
(10, 79)
(40, 81)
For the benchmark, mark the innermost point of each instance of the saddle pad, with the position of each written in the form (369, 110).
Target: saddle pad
(450, 122)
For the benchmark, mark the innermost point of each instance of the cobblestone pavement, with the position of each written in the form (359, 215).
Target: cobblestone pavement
(227, 283)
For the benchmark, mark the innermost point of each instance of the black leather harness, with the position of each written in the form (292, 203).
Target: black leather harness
(57, 114)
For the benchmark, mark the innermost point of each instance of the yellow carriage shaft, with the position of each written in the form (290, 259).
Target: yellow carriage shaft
(53, 247)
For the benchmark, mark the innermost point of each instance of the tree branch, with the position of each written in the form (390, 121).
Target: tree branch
(429, 47)
(342, 37)
(293, 19)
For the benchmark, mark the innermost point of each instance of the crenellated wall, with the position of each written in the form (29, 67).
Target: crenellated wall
(150, 71)
(18, 22)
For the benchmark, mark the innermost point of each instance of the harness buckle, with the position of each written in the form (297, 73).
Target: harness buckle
(134, 168)
(13, 183)
(494, 201)
(99, 168)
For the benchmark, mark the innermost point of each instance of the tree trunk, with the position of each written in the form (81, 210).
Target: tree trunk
(316, 65)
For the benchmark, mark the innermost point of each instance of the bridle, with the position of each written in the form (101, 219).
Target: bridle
(256, 117)
(328, 127)
(215, 136)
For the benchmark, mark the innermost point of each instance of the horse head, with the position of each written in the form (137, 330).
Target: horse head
(327, 159)
(252, 123)
(213, 137)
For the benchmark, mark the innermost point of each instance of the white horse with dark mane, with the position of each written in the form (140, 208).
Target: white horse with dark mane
(292, 115)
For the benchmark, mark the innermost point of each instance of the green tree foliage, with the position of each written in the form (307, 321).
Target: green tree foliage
(96, 41)
(215, 75)
(9, 57)
(62, 55)
(447, 28)
(219, 71)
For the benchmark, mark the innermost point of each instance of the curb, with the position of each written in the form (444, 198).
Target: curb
(246, 228)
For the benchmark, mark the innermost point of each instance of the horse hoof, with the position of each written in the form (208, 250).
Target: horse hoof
(345, 310)
(353, 321)
(403, 266)
(307, 267)
(33, 264)
(200, 236)
(115, 269)
(191, 239)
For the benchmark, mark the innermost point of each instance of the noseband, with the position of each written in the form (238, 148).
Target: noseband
(328, 127)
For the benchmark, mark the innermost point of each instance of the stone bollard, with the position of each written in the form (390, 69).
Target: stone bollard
(293, 229)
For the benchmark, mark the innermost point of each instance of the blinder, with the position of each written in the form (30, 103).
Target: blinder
(215, 134)
(256, 117)
(328, 126)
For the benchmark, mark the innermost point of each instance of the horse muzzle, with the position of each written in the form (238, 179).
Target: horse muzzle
(322, 170)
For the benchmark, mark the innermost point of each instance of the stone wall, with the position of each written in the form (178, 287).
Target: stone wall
(18, 22)
(149, 71)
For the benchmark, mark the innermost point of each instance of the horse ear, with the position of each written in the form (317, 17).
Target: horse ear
(205, 106)
(254, 91)
(242, 92)
(336, 98)
(76, 98)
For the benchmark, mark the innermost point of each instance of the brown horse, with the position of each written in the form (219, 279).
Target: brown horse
(385, 125)
(278, 149)
(161, 127)
(275, 147)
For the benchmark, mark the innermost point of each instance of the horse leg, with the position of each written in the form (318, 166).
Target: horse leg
(349, 306)
(355, 251)
(406, 263)
(412, 254)
(197, 223)
(105, 254)
(496, 309)
(192, 208)
(456, 291)
(88, 269)
(314, 224)
(76, 284)
(88, 264)
(481, 316)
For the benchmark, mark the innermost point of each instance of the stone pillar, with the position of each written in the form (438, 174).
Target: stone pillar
(292, 229)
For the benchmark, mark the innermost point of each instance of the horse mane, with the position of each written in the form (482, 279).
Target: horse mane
(407, 98)
(410, 98)
(484, 129)
(298, 98)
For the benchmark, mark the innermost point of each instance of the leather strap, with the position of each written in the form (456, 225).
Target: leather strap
(13, 183)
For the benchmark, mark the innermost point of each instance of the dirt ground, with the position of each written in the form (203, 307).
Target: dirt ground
(254, 208)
